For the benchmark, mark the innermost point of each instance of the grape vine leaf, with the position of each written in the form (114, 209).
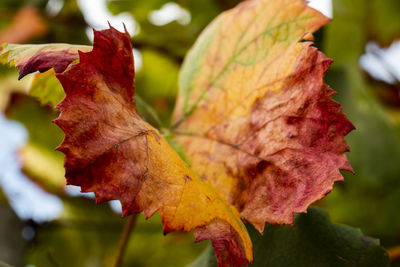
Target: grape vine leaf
(262, 134)
(127, 159)
(254, 115)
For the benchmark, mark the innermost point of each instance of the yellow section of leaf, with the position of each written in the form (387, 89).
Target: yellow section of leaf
(46, 88)
(186, 201)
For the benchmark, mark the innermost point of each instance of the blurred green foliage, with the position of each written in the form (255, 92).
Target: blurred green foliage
(88, 234)
(12, 245)
(370, 199)
(157, 84)
(300, 245)
(41, 162)
(67, 27)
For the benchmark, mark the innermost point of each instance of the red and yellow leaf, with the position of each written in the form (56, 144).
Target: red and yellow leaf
(254, 115)
(30, 58)
(111, 151)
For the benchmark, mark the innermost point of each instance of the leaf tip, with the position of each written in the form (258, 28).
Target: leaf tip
(226, 242)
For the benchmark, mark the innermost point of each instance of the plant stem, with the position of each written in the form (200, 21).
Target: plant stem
(124, 240)
(394, 254)
(149, 110)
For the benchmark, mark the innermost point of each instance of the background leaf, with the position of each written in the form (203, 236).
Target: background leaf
(312, 241)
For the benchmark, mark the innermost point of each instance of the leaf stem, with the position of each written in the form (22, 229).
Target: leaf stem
(124, 240)
(149, 109)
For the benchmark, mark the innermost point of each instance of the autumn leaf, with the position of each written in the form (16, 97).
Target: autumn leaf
(254, 115)
(31, 58)
(111, 151)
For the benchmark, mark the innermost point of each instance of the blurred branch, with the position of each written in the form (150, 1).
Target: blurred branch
(124, 240)
(394, 253)
(149, 110)
(51, 259)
